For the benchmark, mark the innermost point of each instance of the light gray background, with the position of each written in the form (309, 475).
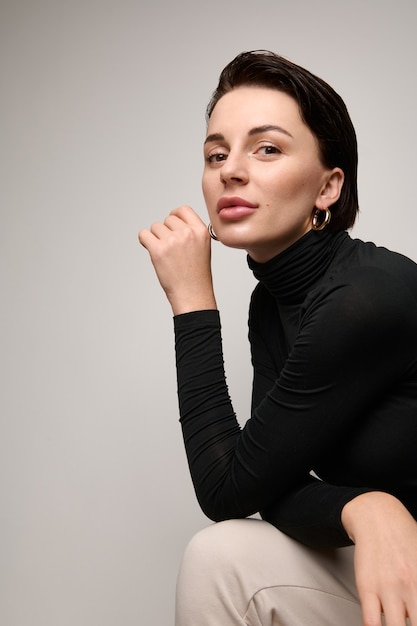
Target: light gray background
(102, 122)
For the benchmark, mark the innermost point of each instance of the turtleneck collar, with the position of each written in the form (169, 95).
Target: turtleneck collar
(292, 273)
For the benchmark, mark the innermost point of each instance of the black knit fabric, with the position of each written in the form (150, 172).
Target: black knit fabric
(333, 334)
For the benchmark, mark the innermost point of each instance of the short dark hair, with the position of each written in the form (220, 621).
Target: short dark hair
(321, 108)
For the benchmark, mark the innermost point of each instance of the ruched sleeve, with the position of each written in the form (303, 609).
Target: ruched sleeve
(353, 358)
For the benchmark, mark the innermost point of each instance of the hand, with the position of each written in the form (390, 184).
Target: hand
(180, 250)
(385, 537)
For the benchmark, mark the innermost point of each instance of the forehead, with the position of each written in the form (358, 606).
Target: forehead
(255, 106)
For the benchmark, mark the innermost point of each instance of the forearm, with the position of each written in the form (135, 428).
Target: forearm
(311, 513)
(209, 425)
(302, 420)
(238, 472)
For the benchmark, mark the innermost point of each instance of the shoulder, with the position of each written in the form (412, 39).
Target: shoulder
(366, 305)
(371, 276)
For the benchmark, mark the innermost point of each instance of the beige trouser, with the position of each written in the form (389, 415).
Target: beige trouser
(247, 573)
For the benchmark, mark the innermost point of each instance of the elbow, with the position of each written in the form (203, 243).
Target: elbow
(213, 512)
(219, 512)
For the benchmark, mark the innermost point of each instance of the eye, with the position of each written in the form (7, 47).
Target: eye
(216, 157)
(268, 149)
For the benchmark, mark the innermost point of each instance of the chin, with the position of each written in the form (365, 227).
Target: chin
(235, 235)
(232, 240)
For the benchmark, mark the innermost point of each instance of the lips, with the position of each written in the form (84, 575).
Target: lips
(234, 202)
(234, 208)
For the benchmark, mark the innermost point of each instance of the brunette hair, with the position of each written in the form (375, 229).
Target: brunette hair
(321, 108)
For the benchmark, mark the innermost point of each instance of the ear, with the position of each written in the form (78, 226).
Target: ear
(331, 189)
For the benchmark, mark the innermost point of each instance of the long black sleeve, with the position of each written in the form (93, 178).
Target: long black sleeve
(347, 382)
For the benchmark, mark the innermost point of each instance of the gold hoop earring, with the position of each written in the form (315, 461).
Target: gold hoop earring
(212, 233)
(320, 222)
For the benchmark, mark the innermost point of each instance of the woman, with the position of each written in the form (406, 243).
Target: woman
(328, 454)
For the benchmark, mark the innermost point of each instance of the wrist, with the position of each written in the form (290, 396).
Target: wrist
(190, 305)
(360, 514)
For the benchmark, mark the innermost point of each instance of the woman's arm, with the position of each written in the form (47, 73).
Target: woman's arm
(336, 372)
(385, 537)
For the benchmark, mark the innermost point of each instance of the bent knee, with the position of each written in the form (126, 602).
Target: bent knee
(227, 543)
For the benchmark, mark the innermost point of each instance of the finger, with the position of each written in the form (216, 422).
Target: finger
(411, 602)
(371, 610)
(412, 612)
(394, 613)
(145, 237)
(188, 215)
(173, 222)
(159, 230)
(190, 229)
(149, 238)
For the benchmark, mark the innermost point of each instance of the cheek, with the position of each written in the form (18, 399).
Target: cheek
(208, 187)
(210, 197)
(282, 186)
(298, 184)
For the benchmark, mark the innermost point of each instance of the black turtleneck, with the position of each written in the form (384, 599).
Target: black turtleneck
(333, 334)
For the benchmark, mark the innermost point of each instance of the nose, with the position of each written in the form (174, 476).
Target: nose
(234, 169)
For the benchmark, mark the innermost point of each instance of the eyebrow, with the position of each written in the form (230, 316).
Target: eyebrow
(214, 137)
(266, 127)
(253, 131)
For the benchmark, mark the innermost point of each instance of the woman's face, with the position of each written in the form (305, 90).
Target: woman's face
(263, 176)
